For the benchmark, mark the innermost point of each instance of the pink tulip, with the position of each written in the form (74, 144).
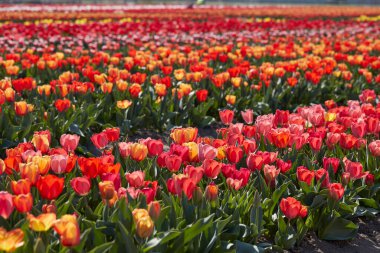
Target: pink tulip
(58, 163)
(69, 141)
(247, 116)
(6, 204)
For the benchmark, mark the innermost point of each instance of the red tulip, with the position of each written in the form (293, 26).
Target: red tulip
(284, 166)
(331, 162)
(89, 166)
(100, 140)
(359, 129)
(255, 162)
(50, 186)
(319, 174)
(234, 154)
(281, 118)
(173, 162)
(6, 204)
(305, 175)
(155, 147)
(336, 191)
(211, 192)
(280, 137)
(211, 168)
(347, 141)
(226, 116)
(62, 104)
(81, 185)
(201, 95)
(292, 208)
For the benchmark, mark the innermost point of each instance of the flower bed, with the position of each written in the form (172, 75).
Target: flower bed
(298, 96)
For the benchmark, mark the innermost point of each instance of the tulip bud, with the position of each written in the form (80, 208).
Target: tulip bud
(370, 180)
(154, 210)
(345, 178)
(49, 208)
(211, 192)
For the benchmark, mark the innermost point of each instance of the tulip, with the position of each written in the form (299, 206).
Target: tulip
(144, 227)
(347, 141)
(113, 134)
(201, 95)
(68, 229)
(270, 172)
(41, 140)
(173, 162)
(206, 152)
(123, 104)
(154, 210)
(50, 186)
(6, 204)
(100, 140)
(211, 168)
(138, 151)
(124, 149)
(29, 171)
(62, 105)
(2, 166)
(21, 108)
(305, 175)
(23, 202)
(114, 177)
(89, 166)
(226, 116)
(284, 166)
(247, 116)
(182, 135)
(155, 147)
(81, 185)
(107, 190)
(374, 148)
(42, 222)
(135, 179)
(211, 192)
(235, 184)
(346, 178)
(280, 137)
(319, 174)
(22, 186)
(137, 214)
(370, 179)
(58, 163)
(43, 163)
(69, 142)
(195, 173)
(10, 241)
(336, 191)
(255, 162)
(292, 208)
(281, 118)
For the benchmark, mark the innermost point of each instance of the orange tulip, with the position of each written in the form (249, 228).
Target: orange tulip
(42, 222)
(138, 151)
(21, 108)
(182, 135)
(41, 141)
(29, 171)
(23, 202)
(43, 163)
(123, 104)
(21, 186)
(144, 227)
(68, 229)
(106, 189)
(10, 241)
(139, 213)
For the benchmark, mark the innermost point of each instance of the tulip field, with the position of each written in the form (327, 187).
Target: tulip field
(168, 128)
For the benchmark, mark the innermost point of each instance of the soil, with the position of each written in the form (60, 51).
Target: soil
(367, 240)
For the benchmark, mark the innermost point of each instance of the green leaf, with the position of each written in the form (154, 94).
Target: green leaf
(103, 248)
(243, 247)
(161, 239)
(338, 228)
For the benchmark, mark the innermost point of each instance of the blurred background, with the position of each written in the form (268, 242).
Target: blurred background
(355, 2)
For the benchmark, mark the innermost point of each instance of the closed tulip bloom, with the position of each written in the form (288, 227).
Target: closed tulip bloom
(234, 154)
(211, 192)
(23, 202)
(138, 151)
(89, 166)
(139, 213)
(106, 189)
(29, 171)
(270, 172)
(280, 137)
(69, 141)
(81, 185)
(42, 222)
(100, 140)
(374, 148)
(58, 163)
(43, 163)
(124, 149)
(68, 229)
(154, 210)
(50, 186)
(182, 135)
(211, 168)
(41, 140)
(11, 240)
(206, 152)
(336, 191)
(22, 186)
(226, 116)
(255, 162)
(305, 175)
(113, 134)
(292, 208)
(135, 179)
(235, 184)
(144, 227)
(155, 147)
(21, 108)
(193, 151)
(173, 162)
(6, 204)
(247, 116)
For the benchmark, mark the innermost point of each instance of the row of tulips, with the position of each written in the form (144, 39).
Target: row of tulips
(258, 186)
(77, 76)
